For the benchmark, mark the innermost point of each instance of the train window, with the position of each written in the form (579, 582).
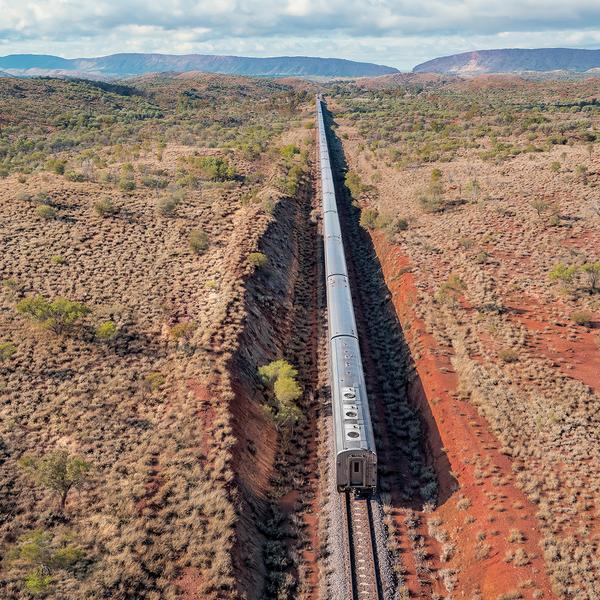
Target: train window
(356, 466)
(353, 434)
(349, 395)
(351, 414)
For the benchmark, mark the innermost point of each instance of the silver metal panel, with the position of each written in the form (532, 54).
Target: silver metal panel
(339, 307)
(331, 225)
(334, 257)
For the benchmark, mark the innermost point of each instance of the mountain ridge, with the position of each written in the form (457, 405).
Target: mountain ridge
(513, 60)
(132, 64)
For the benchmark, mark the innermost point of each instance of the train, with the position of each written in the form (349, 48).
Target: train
(354, 443)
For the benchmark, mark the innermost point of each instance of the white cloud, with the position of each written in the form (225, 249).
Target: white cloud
(397, 32)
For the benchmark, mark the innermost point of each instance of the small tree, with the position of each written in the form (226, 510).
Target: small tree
(59, 315)
(540, 206)
(592, 271)
(57, 471)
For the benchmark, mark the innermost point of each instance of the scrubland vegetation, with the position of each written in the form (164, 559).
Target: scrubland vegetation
(130, 218)
(488, 191)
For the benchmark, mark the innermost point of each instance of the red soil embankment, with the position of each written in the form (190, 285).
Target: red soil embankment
(481, 515)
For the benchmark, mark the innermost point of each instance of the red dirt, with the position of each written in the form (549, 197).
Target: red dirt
(573, 349)
(471, 448)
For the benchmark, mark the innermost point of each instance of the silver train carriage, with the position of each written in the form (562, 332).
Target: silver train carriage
(356, 459)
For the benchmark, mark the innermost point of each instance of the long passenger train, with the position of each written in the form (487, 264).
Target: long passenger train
(356, 459)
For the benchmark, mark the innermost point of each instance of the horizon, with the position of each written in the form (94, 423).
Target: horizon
(388, 33)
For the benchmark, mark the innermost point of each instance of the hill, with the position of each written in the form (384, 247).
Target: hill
(126, 65)
(513, 60)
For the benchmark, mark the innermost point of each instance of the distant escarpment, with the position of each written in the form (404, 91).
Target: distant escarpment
(126, 65)
(513, 60)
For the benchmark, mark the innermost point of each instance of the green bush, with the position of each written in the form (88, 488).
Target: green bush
(213, 168)
(199, 241)
(106, 208)
(167, 205)
(126, 184)
(75, 176)
(106, 331)
(258, 259)
(56, 165)
(57, 259)
(354, 185)
(280, 377)
(43, 552)
(368, 218)
(563, 273)
(7, 350)
(46, 212)
(289, 151)
(58, 315)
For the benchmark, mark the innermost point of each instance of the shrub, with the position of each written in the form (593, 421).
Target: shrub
(7, 350)
(154, 381)
(167, 205)
(58, 315)
(451, 289)
(199, 241)
(126, 184)
(582, 317)
(398, 225)
(540, 206)
(106, 208)
(56, 166)
(368, 218)
(213, 168)
(43, 552)
(280, 376)
(58, 472)
(562, 272)
(182, 331)
(46, 212)
(592, 271)
(354, 185)
(75, 176)
(555, 166)
(57, 259)
(289, 151)
(106, 331)
(508, 355)
(258, 259)
(278, 368)
(431, 203)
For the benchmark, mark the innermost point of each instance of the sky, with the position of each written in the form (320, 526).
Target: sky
(400, 33)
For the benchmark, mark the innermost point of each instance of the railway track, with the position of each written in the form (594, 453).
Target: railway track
(363, 565)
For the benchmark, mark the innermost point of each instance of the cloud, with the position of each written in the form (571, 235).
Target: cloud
(397, 32)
